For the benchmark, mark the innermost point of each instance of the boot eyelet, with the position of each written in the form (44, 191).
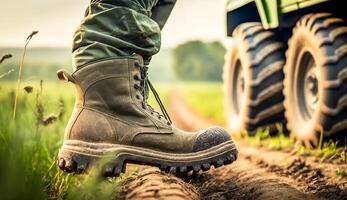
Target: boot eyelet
(138, 96)
(136, 86)
(136, 77)
(136, 64)
(168, 123)
(144, 106)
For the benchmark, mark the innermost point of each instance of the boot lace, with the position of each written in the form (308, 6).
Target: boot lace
(145, 87)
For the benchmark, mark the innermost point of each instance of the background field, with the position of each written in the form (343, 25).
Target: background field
(42, 63)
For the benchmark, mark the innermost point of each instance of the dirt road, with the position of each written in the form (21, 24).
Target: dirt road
(257, 174)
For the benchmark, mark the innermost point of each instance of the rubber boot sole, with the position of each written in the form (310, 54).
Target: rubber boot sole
(77, 157)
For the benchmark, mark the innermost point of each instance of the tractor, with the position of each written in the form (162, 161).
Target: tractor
(287, 66)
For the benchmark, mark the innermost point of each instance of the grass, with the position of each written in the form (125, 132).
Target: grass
(29, 145)
(263, 138)
(207, 100)
(329, 151)
(27, 149)
(20, 72)
(341, 173)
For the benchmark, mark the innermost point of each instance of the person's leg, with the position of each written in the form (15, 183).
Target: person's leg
(116, 28)
(161, 11)
(112, 116)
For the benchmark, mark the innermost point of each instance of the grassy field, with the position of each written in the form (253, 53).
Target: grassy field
(29, 145)
(206, 99)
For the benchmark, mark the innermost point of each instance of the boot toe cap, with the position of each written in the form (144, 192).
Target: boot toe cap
(210, 137)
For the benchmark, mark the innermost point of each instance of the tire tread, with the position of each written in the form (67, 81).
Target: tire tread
(266, 60)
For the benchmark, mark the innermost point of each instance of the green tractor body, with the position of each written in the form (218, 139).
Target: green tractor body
(287, 68)
(268, 12)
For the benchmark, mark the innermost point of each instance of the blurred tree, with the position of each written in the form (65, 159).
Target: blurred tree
(199, 61)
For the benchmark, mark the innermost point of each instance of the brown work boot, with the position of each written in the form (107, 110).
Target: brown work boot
(112, 118)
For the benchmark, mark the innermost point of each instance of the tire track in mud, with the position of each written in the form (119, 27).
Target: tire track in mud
(258, 174)
(243, 180)
(311, 175)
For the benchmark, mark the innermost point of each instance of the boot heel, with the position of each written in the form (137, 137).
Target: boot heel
(73, 162)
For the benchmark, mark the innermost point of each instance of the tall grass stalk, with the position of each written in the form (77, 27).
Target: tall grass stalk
(5, 57)
(20, 72)
(6, 74)
(320, 143)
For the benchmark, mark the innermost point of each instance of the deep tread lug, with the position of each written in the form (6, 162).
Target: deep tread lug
(81, 167)
(218, 163)
(162, 168)
(206, 166)
(173, 170)
(196, 168)
(231, 157)
(183, 169)
(124, 167)
(108, 171)
(117, 171)
(61, 163)
(70, 166)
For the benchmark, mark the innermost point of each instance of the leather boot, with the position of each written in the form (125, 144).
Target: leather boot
(112, 118)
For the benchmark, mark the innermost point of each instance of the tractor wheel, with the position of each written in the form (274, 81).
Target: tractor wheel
(253, 79)
(315, 86)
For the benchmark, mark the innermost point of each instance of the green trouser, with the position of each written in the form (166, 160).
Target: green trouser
(119, 28)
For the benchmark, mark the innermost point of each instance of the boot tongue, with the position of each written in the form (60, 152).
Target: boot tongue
(147, 85)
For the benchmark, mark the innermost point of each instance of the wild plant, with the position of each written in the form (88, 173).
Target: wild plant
(5, 57)
(6, 73)
(20, 72)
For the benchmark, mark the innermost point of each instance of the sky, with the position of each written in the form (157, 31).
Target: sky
(56, 21)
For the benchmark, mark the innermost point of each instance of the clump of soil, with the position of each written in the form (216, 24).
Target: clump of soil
(214, 187)
(153, 184)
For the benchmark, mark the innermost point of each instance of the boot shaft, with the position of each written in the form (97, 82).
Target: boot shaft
(108, 86)
(107, 94)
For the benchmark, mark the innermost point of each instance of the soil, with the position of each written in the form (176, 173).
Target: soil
(154, 184)
(258, 173)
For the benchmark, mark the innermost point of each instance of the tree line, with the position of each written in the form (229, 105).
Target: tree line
(199, 61)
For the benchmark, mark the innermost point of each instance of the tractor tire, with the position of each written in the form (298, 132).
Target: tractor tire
(315, 85)
(253, 79)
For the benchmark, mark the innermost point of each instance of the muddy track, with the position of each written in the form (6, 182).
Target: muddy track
(257, 174)
(260, 173)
